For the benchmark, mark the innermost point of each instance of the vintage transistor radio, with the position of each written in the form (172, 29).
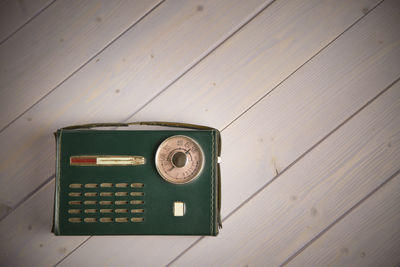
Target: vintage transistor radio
(137, 182)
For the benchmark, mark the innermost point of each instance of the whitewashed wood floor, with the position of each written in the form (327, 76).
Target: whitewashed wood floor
(306, 94)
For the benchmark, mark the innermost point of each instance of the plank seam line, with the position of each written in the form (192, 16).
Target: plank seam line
(37, 189)
(319, 235)
(72, 251)
(314, 146)
(308, 150)
(201, 59)
(26, 22)
(296, 70)
(84, 64)
(185, 250)
(290, 166)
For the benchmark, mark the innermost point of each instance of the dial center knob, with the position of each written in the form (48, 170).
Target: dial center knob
(179, 159)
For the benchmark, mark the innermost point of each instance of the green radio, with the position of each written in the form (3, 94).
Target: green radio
(114, 180)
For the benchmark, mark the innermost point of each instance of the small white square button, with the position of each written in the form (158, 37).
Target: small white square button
(179, 208)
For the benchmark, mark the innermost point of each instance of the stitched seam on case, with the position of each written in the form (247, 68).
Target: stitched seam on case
(212, 183)
(58, 184)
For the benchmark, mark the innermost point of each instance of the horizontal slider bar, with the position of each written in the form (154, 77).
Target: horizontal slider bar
(101, 160)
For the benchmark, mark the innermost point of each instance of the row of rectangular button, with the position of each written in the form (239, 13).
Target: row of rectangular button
(106, 219)
(106, 202)
(107, 185)
(106, 194)
(77, 211)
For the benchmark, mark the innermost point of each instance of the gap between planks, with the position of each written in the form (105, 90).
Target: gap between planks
(340, 218)
(72, 251)
(27, 20)
(82, 66)
(198, 62)
(296, 70)
(293, 164)
(360, 223)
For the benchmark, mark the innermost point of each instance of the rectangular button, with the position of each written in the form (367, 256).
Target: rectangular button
(179, 208)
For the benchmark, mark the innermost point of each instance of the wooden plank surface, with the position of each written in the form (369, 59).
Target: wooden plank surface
(30, 240)
(334, 77)
(58, 42)
(138, 242)
(254, 61)
(74, 105)
(368, 236)
(276, 129)
(284, 216)
(14, 14)
(130, 72)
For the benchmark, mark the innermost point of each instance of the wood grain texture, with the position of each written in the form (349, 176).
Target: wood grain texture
(333, 88)
(254, 61)
(54, 45)
(14, 14)
(108, 77)
(118, 82)
(338, 173)
(171, 247)
(368, 236)
(371, 68)
(30, 240)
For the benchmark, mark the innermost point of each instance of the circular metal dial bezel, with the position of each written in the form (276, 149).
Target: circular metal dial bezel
(161, 163)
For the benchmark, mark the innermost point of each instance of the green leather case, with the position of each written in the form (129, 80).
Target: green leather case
(147, 209)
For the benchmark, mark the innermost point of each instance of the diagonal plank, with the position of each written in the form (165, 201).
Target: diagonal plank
(279, 219)
(255, 60)
(31, 242)
(14, 14)
(55, 44)
(353, 72)
(129, 72)
(368, 236)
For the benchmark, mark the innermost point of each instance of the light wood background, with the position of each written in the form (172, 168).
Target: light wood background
(305, 92)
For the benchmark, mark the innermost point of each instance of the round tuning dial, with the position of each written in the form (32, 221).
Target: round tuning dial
(179, 159)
